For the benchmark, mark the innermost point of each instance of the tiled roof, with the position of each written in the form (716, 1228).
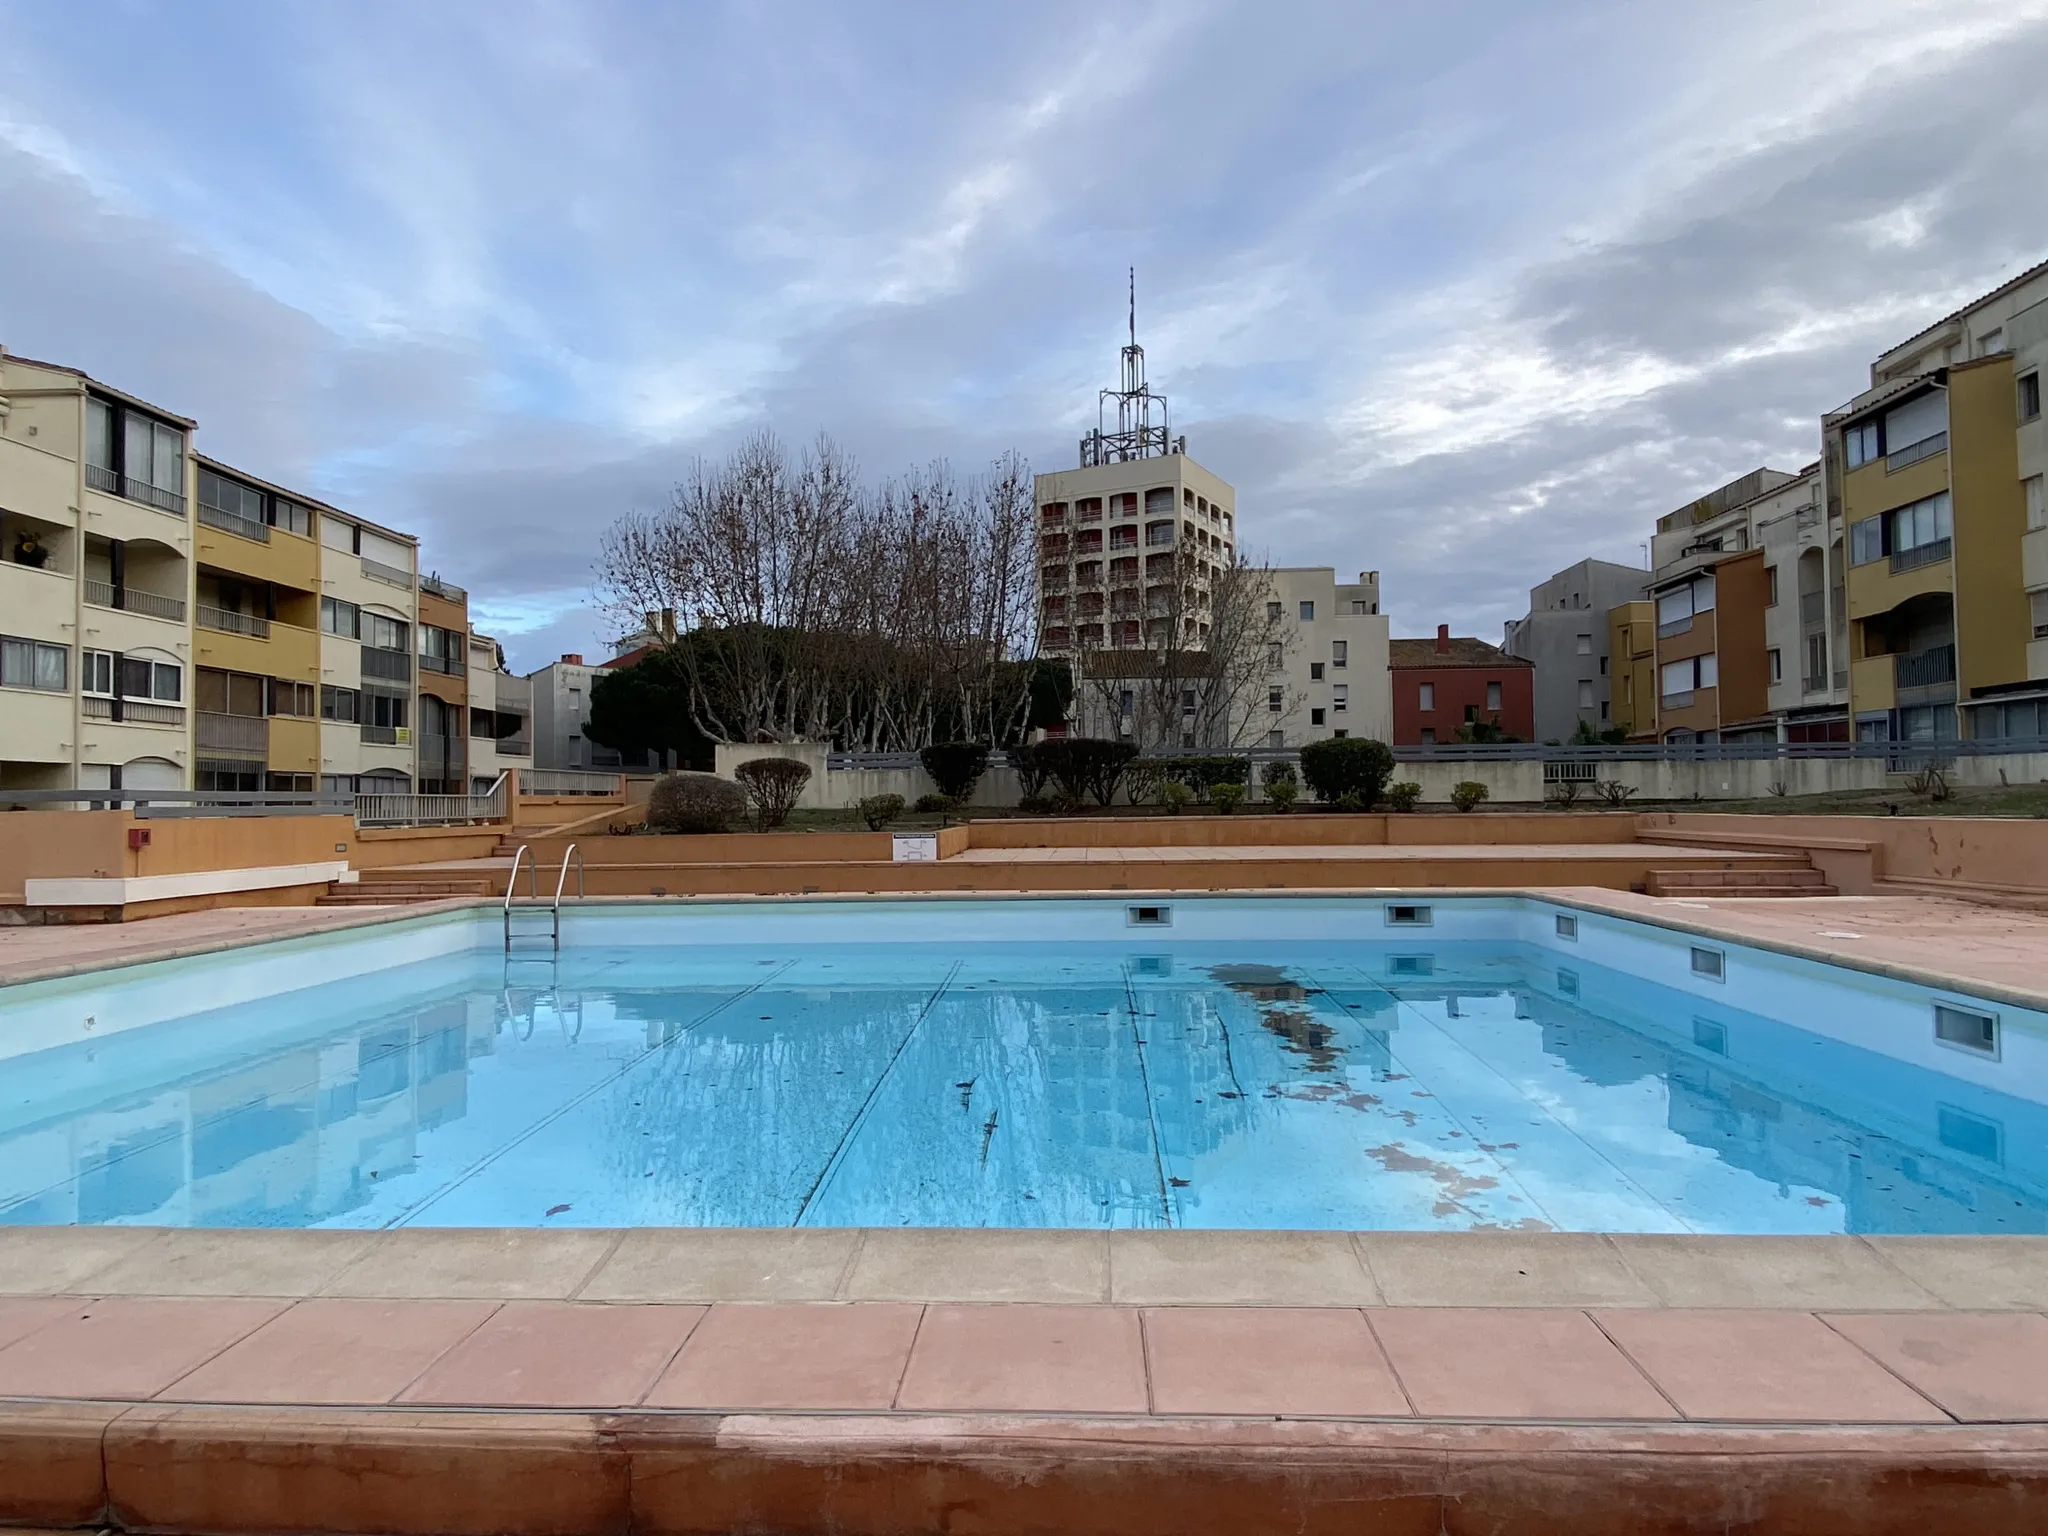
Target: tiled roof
(1465, 651)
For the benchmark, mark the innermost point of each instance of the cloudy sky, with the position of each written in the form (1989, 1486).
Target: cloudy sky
(1459, 291)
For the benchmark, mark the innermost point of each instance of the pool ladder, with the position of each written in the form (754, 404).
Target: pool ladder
(533, 903)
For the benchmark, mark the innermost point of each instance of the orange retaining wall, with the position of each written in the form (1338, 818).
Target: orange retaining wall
(79, 844)
(1975, 857)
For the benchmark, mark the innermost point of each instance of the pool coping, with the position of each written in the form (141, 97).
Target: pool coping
(1592, 899)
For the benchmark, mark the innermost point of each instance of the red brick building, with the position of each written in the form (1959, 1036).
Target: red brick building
(1455, 680)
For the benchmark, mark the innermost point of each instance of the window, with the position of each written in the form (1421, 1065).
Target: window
(1315, 717)
(1340, 698)
(2030, 396)
(1308, 612)
(291, 516)
(133, 455)
(1990, 342)
(1679, 678)
(1276, 655)
(1925, 524)
(96, 673)
(1425, 697)
(1585, 645)
(1676, 608)
(290, 698)
(386, 634)
(1771, 579)
(1860, 443)
(1276, 738)
(1493, 695)
(1603, 666)
(1340, 653)
(1274, 611)
(2037, 501)
(1428, 737)
(1341, 734)
(1585, 693)
(384, 709)
(1273, 701)
(224, 500)
(1315, 671)
(342, 704)
(339, 618)
(34, 664)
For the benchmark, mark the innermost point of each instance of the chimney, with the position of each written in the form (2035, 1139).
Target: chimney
(653, 625)
(1443, 639)
(573, 658)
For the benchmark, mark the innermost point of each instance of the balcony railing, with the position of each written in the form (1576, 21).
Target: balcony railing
(513, 746)
(1929, 668)
(228, 622)
(1677, 700)
(552, 782)
(1913, 453)
(234, 735)
(101, 478)
(1932, 553)
(1813, 684)
(389, 666)
(385, 735)
(377, 570)
(131, 711)
(452, 665)
(447, 591)
(439, 751)
(101, 594)
(233, 522)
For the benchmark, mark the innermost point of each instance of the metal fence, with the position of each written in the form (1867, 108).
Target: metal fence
(411, 810)
(568, 781)
(165, 804)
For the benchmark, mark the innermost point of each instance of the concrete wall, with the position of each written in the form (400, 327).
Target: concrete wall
(1958, 855)
(60, 845)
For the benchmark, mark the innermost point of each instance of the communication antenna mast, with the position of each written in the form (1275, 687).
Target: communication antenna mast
(1137, 434)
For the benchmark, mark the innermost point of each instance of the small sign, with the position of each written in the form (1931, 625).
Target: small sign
(915, 848)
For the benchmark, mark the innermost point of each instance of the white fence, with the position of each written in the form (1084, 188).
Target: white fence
(569, 781)
(410, 810)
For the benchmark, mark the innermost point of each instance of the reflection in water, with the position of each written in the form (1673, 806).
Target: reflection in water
(1288, 1086)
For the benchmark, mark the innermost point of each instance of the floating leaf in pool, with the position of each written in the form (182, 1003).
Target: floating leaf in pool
(556, 1210)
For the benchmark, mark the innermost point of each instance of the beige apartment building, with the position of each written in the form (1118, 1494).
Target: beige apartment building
(1936, 474)
(1329, 677)
(97, 574)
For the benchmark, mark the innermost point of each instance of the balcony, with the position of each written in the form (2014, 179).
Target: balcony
(387, 666)
(1932, 553)
(228, 622)
(233, 522)
(377, 570)
(114, 484)
(1913, 453)
(233, 735)
(452, 665)
(386, 735)
(447, 591)
(101, 594)
(131, 711)
(1929, 668)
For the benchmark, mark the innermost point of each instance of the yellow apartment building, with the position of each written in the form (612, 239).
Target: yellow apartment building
(1937, 470)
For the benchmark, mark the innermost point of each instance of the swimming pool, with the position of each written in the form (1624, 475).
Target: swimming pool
(1276, 1062)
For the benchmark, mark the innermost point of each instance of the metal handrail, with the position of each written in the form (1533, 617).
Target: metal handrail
(532, 877)
(562, 879)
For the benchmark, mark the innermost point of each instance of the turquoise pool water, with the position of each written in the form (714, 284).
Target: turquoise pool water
(1356, 1076)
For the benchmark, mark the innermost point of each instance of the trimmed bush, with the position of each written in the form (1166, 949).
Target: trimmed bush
(773, 786)
(1035, 805)
(1403, 796)
(1203, 774)
(1142, 780)
(1033, 767)
(1282, 794)
(694, 802)
(1468, 793)
(1175, 796)
(879, 810)
(1352, 765)
(1085, 767)
(932, 805)
(1226, 797)
(1278, 772)
(955, 766)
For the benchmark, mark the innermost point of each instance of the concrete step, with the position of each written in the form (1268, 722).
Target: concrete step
(367, 893)
(1739, 883)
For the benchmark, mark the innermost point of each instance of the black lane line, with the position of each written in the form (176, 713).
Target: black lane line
(1151, 1109)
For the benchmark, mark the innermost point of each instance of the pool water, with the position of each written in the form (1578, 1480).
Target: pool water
(1383, 1081)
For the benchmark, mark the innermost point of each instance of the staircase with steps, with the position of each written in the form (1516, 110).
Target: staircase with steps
(373, 892)
(1773, 879)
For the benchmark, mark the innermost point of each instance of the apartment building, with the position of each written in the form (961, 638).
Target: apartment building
(442, 747)
(561, 708)
(1566, 637)
(500, 715)
(369, 610)
(96, 584)
(1632, 663)
(1330, 677)
(1718, 590)
(1455, 682)
(1936, 472)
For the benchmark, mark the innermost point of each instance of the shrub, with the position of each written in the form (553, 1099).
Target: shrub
(1614, 792)
(1175, 796)
(1142, 780)
(1281, 795)
(1203, 774)
(955, 766)
(1034, 805)
(1278, 772)
(773, 786)
(1350, 802)
(1033, 768)
(1227, 797)
(1468, 793)
(1351, 765)
(879, 810)
(932, 805)
(694, 802)
(1085, 767)
(1404, 795)
(1565, 793)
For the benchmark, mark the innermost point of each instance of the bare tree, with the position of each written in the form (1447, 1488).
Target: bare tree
(1217, 641)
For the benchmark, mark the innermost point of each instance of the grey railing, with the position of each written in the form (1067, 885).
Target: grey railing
(1927, 669)
(1930, 553)
(382, 735)
(446, 590)
(390, 666)
(247, 735)
(228, 622)
(155, 804)
(103, 594)
(377, 570)
(114, 483)
(234, 522)
(1913, 453)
